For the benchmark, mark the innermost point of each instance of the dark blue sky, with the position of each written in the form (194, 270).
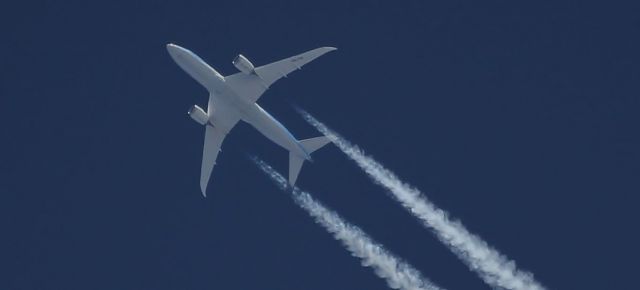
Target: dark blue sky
(521, 119)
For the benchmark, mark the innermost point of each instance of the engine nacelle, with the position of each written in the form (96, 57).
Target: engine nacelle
(199, 115)
(243, 64)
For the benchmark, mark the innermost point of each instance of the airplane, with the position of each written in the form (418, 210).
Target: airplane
(233, 98)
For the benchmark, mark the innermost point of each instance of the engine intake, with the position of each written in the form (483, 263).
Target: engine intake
(243, 64)
(199, 115)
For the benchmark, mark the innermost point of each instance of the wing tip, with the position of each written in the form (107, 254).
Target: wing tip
(203, 189)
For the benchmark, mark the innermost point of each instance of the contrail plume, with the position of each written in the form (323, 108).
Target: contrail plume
(492, 267)
(397, 273)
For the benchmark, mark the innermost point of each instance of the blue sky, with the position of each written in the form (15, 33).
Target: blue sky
(520, 119)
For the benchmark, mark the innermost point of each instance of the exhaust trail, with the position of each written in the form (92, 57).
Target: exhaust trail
(492, 267)
(397, 273)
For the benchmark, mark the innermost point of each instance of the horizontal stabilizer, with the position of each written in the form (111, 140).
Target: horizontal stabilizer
(313, 144)
(295, 164)
(295, 161)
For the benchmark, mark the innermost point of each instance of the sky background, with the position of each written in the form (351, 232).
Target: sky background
(519, 118)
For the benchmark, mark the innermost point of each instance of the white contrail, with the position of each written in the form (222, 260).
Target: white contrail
(398, 274)
(494, 268)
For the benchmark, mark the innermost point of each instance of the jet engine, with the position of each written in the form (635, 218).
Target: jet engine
(243, 64)
(199, 115)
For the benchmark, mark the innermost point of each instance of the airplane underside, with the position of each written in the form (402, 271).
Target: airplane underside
(233, 98)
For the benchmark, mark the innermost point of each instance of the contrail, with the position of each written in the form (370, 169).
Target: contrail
(398, 274)
(495, 269)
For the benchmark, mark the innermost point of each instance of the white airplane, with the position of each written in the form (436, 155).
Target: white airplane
(233, 98)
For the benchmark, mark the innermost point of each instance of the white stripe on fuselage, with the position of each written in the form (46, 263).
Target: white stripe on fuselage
(249, 112)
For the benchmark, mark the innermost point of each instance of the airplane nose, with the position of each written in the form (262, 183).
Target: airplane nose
(171, 47)
(174, 50)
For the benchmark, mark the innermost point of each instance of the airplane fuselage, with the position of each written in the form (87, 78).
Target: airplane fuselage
(227, 99)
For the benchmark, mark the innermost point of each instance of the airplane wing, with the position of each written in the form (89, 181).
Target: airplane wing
(223, 122)
(252, 86)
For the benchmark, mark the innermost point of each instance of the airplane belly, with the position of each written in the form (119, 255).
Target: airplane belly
(196, 68)
(273, 130)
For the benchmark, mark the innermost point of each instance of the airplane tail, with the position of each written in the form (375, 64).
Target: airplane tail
(295, 161)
